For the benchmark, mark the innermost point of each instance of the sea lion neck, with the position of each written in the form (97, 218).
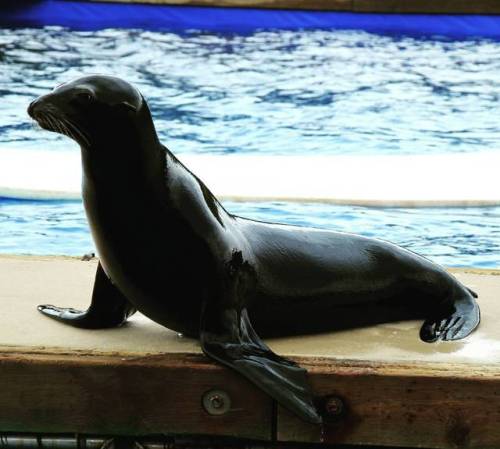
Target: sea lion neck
(124, 163)
(124, 169)
(125, 152)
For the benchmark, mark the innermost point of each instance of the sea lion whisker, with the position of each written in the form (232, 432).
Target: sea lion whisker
(59, 125)
(55, 123)
(56, 126)
(40, 121)
(49, 122)
(67, 131)
(79, 133)
(62, 127)
(71, 133)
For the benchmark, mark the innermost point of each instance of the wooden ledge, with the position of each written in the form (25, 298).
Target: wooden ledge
(387, 387)
(371, 6)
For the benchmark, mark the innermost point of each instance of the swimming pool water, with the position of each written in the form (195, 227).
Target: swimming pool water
(281, 92)
(269, 93)
(450, 236)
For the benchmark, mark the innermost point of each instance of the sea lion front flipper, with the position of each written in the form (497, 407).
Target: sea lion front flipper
(228, 337)
(109, 308)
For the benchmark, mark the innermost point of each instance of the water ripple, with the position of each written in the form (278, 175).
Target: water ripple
(450, 236)
(273, 92)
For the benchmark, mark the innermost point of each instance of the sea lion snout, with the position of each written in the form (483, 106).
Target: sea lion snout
(43, 105)
(31, 108)
(36, 107)
(41, 111)
(54, 112)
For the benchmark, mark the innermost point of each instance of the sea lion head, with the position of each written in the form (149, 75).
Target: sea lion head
(94, 111)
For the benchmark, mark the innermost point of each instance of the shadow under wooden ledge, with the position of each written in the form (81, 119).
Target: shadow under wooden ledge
(378, 385)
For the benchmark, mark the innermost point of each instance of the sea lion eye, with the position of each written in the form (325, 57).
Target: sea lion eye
(85, 96)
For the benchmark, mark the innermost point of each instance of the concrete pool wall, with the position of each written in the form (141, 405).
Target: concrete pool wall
(468, 179)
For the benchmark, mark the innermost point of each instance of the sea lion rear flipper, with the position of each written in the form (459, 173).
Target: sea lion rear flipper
(109, 308)
(458, 322)
(228, 337)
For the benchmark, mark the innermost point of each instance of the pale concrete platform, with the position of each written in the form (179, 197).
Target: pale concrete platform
(27, 281)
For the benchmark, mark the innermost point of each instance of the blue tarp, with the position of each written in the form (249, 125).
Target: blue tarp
(82, 15)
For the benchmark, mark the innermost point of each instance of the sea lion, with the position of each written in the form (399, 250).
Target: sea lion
(168, 248)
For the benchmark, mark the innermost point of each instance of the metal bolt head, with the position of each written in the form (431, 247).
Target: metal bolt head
(333, 406)
(216, 402)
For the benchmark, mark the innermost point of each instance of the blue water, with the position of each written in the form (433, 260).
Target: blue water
(302, 93)
(450, 236)
(281, 92)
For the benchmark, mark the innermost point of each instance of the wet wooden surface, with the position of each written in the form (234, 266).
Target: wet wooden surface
(116, 395)
(407, 404)
(379, 6)
(142, 379)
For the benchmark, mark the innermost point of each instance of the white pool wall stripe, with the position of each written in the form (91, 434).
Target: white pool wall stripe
(26, 194)
(466, 179)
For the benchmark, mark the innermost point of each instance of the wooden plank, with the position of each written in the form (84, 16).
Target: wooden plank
(336, 5)
(407, 405)
(142, 379)
(111, 395)
(135, 380)
(402, 392)
(380, 6)
(399, 391)
(428, 6)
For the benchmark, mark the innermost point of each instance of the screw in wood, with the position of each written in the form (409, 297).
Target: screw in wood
(216, 402)
(333, 406)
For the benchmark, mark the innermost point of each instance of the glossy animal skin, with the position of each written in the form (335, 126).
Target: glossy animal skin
(169, 249)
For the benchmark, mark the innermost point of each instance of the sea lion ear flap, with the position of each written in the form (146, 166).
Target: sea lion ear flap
(126, 106)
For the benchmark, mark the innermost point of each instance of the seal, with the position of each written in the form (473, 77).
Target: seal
(169, 249)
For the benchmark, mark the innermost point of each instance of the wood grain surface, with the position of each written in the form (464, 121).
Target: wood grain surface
(102, 395)
(407, 405)
(379, 6)
(142, 379)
